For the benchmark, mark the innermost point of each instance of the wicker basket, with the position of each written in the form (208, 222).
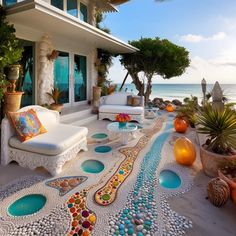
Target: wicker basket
(211, 161)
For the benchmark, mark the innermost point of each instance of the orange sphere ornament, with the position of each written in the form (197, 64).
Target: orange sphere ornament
(184, 151)
(170, 107)
(180, 125)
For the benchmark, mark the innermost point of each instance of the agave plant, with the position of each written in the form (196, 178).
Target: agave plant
(55, 95)
(220, 128)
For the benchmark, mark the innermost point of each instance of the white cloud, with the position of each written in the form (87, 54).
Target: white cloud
(194, 38)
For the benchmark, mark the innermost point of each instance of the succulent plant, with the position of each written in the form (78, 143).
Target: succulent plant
(55, 95)
(220, 128)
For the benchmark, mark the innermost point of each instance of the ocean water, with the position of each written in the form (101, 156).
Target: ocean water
(180, 91)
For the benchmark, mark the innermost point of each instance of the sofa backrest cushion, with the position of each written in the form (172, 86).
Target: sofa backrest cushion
(47, 117)
(119, 98)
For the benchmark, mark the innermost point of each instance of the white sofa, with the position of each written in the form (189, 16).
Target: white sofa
(50, 150)
(117, 103)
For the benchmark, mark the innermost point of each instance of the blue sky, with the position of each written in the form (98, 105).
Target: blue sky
(207, 28)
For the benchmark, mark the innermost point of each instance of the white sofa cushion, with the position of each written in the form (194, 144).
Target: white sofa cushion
(59, 138)
(117, 99)
(121, 109)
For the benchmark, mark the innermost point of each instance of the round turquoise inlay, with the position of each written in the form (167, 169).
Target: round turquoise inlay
(103, 149)
(100, 136)
(169, 179)
(92, 166)
(27, 205)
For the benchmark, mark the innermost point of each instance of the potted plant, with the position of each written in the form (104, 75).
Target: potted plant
(220, 130)
(56, 95)
(188, 111)
(11, 53)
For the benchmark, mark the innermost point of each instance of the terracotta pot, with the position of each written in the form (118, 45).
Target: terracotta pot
(211, 161)
(12, 101)
(56, 107)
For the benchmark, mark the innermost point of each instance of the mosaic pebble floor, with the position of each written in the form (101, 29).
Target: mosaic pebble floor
(138, 217)
(107, 194)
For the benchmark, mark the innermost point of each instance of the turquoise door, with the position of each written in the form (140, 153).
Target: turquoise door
(80, 78)
(61, 76)
(26, 82)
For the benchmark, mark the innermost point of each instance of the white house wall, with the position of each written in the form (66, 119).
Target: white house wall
(44, 78)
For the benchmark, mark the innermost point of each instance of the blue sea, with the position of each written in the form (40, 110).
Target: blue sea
(180, 91)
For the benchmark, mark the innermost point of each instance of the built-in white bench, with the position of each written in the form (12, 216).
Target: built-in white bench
(50, 150)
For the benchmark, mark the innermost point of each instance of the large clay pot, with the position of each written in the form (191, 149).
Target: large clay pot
(211, 161)
(12, 101)
(96, 98)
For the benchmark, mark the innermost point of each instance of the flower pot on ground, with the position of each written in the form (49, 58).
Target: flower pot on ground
(212, 161)
(220, 129)
(12, 101)
(56, 95)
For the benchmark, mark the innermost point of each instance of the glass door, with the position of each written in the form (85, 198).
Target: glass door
(80, 79)
(61, 76)
(26, 81)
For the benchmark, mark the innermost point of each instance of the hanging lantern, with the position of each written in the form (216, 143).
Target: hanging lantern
(218, 192)
(170, 107)
(180, 125)
(184, 151)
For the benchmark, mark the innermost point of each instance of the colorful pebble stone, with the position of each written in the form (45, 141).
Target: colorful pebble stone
(83, 218)
(125, 168)
(66, 184)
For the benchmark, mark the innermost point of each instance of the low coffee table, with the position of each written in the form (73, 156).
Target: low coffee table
(124, 133)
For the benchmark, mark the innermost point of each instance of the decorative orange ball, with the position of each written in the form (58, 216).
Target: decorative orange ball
(180, 125)
(170, 107)
(184, 151)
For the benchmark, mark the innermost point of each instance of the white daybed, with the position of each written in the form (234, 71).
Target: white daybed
(116, 103)
(50, 150)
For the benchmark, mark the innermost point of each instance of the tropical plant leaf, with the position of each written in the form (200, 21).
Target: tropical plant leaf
(220, 128)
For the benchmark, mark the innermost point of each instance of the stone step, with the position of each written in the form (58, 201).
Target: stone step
(85, 120)
(69, 118)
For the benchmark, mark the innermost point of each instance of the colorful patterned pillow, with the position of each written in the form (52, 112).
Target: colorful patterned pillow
(137, 101)
(129, 100)
(26, 124)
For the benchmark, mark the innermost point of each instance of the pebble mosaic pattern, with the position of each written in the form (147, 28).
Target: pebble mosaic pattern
(83, 219)
(15, 186)
(102, 149)
(107, 194)
(55, 223)
(66, 184)
(140, 214)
